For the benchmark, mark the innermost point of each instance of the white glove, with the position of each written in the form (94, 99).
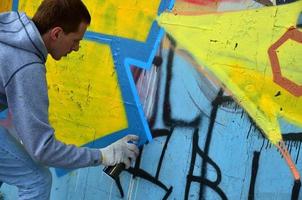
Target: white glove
(121, 151)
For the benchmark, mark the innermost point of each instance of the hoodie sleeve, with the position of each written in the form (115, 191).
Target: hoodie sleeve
(27, 98)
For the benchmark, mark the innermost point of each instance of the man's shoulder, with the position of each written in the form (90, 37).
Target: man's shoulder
(16, 57)
(13, 60)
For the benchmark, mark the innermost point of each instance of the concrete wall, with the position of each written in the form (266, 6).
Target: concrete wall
(220, 131)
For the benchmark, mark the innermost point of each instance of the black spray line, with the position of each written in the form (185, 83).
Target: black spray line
(223, 99)
(208, 160)
(160, 132)
(143, 174)
(166, 104)
(155, 133)
(119, 186)
(210, 185)
(191, 168)
(288, 138)
(292, 136)
(295, 136)
(137, 172)
(254, 172)
(168, 121)
(298, 153)
(138, 160)
(156, 103)
(263, 141)
(265, 2)
(249, 131)
(168, 134)
(191, 178)
(173, 123)
(215, 104)
(167, 107)
(296, 190)
(280, 2)
(254, 125)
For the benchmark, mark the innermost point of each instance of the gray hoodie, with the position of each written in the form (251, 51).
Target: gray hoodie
(23, 89)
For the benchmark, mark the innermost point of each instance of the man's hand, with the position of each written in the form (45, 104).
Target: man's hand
(121, 151)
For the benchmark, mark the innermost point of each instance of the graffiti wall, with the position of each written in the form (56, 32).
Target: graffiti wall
(216, 83)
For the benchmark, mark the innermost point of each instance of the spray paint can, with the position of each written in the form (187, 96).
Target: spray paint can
(114, 171)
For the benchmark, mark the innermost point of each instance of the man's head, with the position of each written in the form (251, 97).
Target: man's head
(62, 24)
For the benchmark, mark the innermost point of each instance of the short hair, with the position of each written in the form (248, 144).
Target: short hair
(67, 14)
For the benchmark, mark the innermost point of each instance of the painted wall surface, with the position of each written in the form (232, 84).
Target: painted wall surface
(5, 5)
(222, 98)
(97, 75)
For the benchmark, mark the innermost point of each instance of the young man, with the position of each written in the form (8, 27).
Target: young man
(28, 143)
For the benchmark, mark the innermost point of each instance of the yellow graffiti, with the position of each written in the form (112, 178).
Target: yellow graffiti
(85, 97)
(233, 46)
(122, 18)
(289, 55)
(5, 5)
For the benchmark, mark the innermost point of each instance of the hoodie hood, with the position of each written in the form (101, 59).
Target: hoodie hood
(18, 31)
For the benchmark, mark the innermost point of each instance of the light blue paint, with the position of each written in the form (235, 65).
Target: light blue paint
(286, 127)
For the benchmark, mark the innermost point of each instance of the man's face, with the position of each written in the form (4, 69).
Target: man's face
(66, 43)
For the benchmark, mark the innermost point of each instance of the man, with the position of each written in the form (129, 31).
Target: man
(28, 144)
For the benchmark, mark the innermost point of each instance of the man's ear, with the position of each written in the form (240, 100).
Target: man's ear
(55, 32)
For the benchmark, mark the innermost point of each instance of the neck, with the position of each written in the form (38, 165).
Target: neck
(46, 40)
